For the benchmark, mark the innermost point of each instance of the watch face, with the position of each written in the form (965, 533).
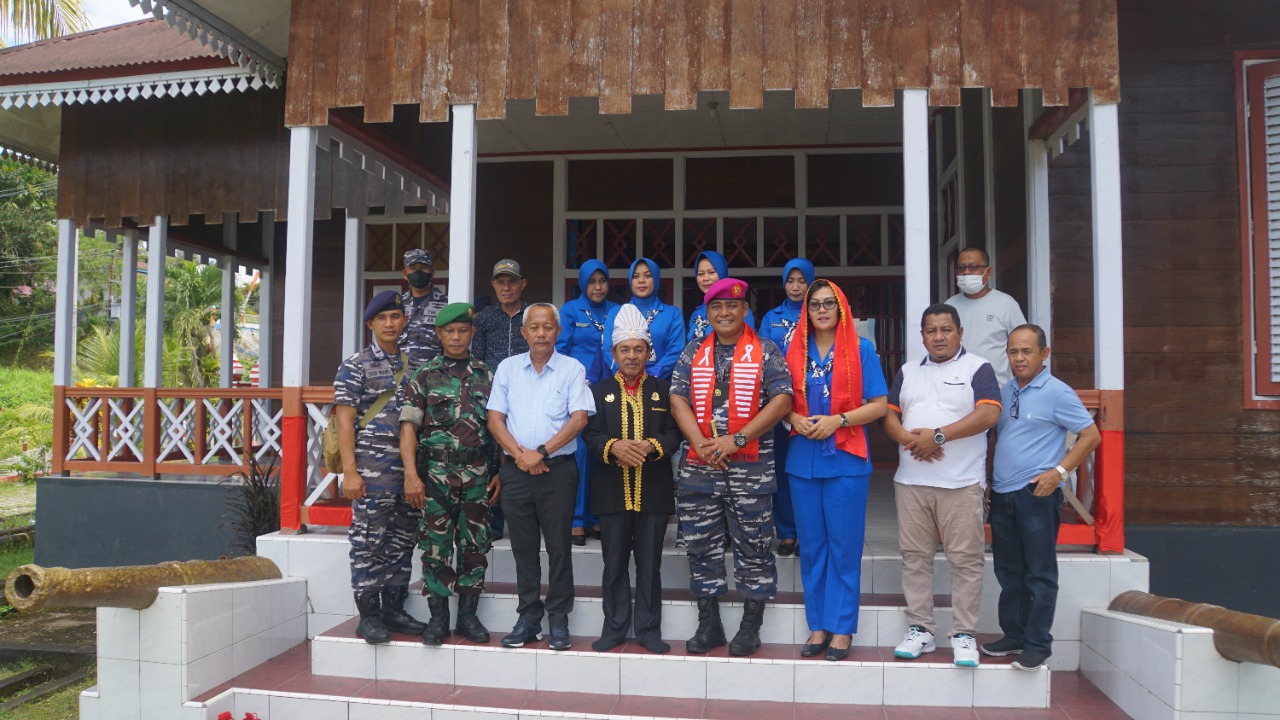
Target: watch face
(740, 440)
(939, 438)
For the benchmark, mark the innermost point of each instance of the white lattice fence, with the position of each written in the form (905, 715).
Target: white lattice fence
(318, 478)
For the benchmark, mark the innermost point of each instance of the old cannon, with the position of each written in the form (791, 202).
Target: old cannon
(32, 587)
(1237, 636)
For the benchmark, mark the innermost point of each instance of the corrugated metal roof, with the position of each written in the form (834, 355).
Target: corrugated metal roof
(143, 42)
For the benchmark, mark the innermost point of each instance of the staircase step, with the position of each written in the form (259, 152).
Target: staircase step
(776, 673)
(881, 617)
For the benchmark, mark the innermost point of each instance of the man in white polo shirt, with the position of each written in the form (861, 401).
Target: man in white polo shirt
(940, 411)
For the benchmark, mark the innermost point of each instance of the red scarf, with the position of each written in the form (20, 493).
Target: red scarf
(846, 374)
(744, 390)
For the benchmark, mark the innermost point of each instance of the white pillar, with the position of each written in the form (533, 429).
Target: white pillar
(462, 206)
(157, 253)
(227, 339)
(1108, 259)
(128, 306)
(1039, 299)
(352, 307)
(64, 319)
(266, 283)
(296, 361)
(915, 202)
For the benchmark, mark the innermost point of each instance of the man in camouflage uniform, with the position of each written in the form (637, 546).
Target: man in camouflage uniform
(725, 483)
(448, 455)
(384, 526)
(421, 303)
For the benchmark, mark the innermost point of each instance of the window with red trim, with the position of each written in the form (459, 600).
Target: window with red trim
(1261, 252)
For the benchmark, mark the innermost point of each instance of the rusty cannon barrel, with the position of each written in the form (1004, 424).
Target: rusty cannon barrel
(32, 587)
(1237, 636)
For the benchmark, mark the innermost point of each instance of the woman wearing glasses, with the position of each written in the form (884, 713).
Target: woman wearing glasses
(839, 388)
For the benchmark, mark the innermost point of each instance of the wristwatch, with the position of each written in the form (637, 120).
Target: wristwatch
(545, 452)
(740, 440)
(938, 437)
(844, 420)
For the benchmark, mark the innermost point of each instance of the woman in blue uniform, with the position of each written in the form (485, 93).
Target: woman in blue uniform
(710, 267)
(777, 325)
(839, 388)
(581, 332)
(666, 322)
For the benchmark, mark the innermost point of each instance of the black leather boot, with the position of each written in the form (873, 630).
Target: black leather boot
(370, 628)
(469, 625)
(394, 616)
(747, 641)
(710, 632)
(437, 628)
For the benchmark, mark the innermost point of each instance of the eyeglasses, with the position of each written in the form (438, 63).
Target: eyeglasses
(1013, 411)
(971, 268)
(828, 304)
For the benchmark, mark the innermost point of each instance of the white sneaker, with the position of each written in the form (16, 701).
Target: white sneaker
(965, 650)
(917, 642)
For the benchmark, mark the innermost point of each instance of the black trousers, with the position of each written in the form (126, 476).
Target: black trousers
(540, 507)
(622, 535)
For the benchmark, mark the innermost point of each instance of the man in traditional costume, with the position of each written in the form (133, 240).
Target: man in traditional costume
(632, 491)
(727, 393)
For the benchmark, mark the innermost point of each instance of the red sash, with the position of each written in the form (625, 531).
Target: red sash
(846, 374)
(745, 377)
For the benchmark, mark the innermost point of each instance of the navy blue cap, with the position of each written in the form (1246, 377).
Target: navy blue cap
(385, 300)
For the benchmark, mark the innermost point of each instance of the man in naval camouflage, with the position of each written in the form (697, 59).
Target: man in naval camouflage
(421, 303)
(384, 525)
(727, 393)
(450, 471)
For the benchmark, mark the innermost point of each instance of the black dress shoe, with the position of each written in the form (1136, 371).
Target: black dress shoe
(815, 649)
(655, 645)
(607, 643)
(834, 654)
(787, 547)
(579, 540)
(592, 532)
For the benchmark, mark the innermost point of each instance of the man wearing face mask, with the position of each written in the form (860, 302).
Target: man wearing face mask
(421, 303)
(987, 315)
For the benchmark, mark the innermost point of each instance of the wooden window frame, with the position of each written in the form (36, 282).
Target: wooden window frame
(1260, 393)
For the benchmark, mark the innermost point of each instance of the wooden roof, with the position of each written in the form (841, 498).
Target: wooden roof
(434, 53)
(131, 48)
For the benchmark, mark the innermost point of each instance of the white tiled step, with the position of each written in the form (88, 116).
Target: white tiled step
(881, 619)
(775, 674)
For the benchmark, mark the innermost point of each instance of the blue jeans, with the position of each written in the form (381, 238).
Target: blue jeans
(1024, 549)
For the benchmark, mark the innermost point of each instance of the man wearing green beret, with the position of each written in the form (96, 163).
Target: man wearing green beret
(451, 472)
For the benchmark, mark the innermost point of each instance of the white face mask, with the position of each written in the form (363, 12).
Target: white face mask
(970, 284)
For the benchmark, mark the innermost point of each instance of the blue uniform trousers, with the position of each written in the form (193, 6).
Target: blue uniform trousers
(831, 520)
(582, 517)
(784, 519)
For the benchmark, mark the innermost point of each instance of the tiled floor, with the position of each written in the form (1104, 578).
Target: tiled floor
(1073, 697)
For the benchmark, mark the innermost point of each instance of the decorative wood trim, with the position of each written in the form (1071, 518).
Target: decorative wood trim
(120, 89)
(199, 24)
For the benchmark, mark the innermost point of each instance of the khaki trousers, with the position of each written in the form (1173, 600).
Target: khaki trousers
(924, 513)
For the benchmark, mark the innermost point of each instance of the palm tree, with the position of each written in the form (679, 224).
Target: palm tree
(26, 20)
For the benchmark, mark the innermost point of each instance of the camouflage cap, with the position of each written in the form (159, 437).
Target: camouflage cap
(418, 255)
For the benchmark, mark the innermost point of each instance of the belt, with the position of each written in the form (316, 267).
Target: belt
(558, 459)
(452, 456)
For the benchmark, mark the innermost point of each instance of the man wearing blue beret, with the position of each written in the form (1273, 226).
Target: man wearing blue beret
(384, 525)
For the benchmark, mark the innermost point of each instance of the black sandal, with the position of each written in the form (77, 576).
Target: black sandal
(788, 547)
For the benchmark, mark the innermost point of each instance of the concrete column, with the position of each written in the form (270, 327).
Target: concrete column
(227, 337)
(128, 306)
(915, 201)
(353, 293)
(297, 283)
(462, 206)
(1108, 258)
(1039, 297)
(157, 253)
(64, 320)
(266, 313)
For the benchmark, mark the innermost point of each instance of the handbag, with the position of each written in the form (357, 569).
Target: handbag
(329, 449)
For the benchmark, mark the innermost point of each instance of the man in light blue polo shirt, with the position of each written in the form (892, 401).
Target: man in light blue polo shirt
(539, 404)
(1031, 463)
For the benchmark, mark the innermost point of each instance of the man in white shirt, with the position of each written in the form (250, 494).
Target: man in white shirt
(988, 315)
(939, 412)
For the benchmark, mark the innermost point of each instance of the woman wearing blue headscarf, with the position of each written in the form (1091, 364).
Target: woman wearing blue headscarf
(581, 331)
(777, 325)
(710, 267)
(666, 322)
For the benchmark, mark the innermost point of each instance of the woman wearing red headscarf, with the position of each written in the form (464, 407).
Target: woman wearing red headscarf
(839, 388)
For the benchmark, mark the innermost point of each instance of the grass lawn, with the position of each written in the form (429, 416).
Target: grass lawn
(64, 705)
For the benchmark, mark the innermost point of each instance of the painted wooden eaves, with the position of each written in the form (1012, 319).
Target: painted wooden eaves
(434, 53)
